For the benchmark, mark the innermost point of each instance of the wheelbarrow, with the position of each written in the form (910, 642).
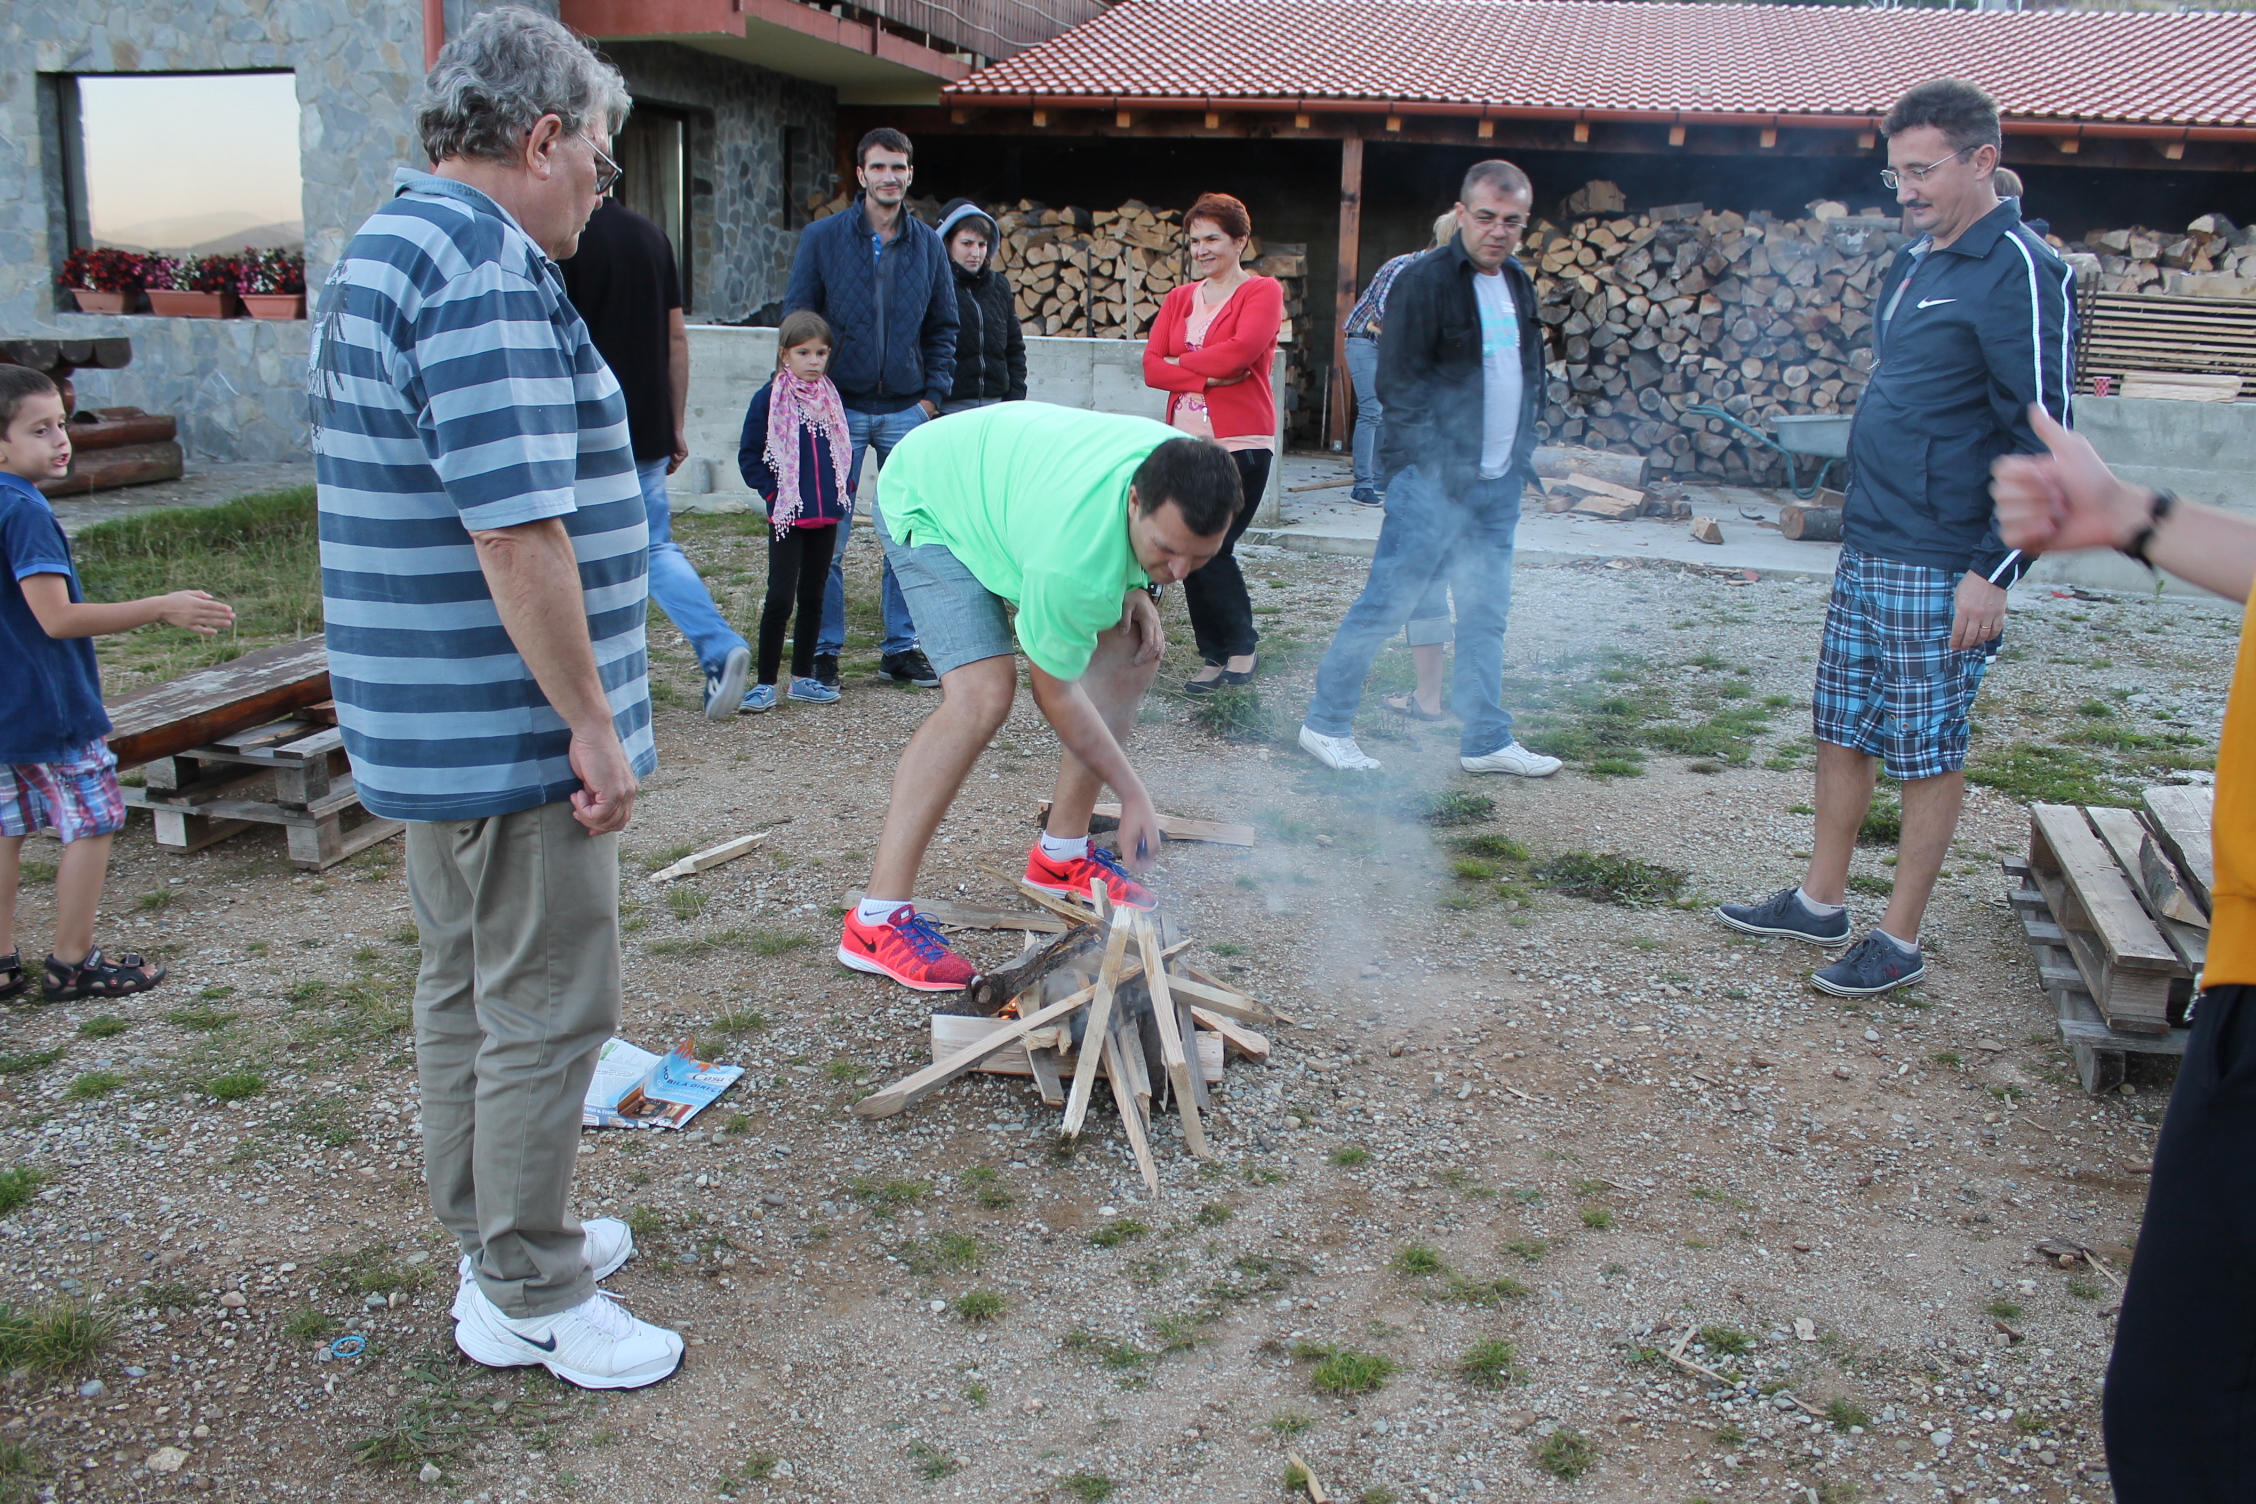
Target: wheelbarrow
(1817, 436)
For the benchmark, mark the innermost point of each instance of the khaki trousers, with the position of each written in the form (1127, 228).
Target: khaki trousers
(519, 915)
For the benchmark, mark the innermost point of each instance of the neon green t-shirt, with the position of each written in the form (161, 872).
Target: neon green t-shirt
(1033, 500)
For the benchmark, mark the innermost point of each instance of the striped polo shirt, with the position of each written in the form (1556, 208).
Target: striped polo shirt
(454, 387)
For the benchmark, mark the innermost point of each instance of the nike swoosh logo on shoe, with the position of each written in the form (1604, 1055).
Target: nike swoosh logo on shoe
(868, 945)
(547, 1347)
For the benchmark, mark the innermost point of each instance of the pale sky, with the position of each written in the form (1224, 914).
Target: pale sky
(190, 146)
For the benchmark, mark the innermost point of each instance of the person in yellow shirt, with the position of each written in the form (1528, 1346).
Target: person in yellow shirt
(2180, 1407)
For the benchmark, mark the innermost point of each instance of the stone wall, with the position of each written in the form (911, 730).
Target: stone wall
(742, 236)
(234, 385)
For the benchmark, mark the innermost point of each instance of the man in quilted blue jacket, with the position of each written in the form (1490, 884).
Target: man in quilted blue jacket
(878, 274)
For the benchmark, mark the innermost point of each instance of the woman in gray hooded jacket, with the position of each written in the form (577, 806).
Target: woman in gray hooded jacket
(990, 346)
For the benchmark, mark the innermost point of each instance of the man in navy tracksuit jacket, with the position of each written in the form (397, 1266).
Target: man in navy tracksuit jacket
(879, 275)
(1971, 325)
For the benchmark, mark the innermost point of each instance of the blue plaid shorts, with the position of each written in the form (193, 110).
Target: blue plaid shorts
(1888, 683)
(74, 796)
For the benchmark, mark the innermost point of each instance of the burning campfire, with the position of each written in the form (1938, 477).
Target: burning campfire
(1108, 997)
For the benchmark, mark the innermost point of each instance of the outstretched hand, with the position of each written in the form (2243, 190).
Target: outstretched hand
(2066, 499)
(197, 610)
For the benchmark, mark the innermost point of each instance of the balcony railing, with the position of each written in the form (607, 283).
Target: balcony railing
(991, 28)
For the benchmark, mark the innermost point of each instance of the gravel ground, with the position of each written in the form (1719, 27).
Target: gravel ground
(1503, 1116)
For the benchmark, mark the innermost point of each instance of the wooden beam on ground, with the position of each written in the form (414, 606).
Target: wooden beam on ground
(2128, 840)
(1093, 1032)
(1171, 1040)
(1187, 1027)
(2180, 816)
(711, 856)
(950, 1032)
(1044, 1064)
(910, 1090)
(1339, 421)
(1254, 1047)
(167, 719)
(1177, 828)
(1228, 1004)
(965, 916)
(1072, 913)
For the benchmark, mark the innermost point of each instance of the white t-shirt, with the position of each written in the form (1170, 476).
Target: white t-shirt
(1501, 379)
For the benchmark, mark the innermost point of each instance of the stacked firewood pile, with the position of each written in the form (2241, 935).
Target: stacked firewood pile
(1678, 308)
(2212, 258)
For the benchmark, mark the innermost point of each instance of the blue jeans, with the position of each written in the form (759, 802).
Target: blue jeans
(1363, 371)
(1429, 538)
(868, 431)
(674, 582)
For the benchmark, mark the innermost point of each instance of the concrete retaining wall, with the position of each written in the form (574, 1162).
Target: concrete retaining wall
(727, 366)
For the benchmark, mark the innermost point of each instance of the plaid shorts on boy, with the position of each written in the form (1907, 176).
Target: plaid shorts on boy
(75, 797)
(1889, 683)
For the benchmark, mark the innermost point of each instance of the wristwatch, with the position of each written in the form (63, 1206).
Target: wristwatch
(2136, 548)
(1154, 590)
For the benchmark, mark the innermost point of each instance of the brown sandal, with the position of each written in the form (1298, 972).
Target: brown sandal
(1406, 704)
(19, 982)
(98, 976)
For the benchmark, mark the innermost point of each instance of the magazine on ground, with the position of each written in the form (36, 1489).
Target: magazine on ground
(633, 1088)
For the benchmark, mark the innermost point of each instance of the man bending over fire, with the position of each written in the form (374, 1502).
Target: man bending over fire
(1075, 519)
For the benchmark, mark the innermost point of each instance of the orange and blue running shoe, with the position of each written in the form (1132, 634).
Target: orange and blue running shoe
(1071, 877)
(906, 948)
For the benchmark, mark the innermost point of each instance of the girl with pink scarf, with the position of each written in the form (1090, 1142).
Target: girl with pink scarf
(794, 453)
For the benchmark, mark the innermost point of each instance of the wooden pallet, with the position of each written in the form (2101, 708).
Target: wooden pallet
(2128, 332)
(2099, 1050)
(197, 795)
(2131, 968)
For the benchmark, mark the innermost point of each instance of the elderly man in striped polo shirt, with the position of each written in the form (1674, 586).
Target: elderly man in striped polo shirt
(484, 556)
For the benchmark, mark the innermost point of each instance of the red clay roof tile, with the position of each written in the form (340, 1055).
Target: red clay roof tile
(1603, 56)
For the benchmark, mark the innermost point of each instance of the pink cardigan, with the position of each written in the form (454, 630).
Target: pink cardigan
(1243, 337)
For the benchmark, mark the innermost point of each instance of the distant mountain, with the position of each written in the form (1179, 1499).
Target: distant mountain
(202, 234)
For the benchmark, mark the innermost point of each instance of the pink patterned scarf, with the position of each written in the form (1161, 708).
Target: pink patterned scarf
(795, 404)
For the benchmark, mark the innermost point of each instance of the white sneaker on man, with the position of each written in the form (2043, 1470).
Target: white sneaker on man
(597, 1344)
(1514, 759)
(1337, 752)
(610, 1243)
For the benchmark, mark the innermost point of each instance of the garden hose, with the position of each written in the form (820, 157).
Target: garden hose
(1764, 439)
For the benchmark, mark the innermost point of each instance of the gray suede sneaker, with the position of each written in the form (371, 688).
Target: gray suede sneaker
(1784, 913)
(1874, 964)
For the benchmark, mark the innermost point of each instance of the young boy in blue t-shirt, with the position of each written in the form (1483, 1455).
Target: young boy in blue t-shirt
(56, 771)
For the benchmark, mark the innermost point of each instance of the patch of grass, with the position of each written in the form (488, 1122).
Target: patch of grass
(1948, 1057)
(932, 1464)
(236, 1085)
(1444, 807)
(976, 1306)
(1883, 822)
(2031, 773)
(260, 554)
(1343, 1372)
(1117, 1232)
(158, 898)
(2003, 1310)
(1490, 1364)
(2083, 1287)
(1728, 1341)
(1597, 1218)
(17, 1185)
(29, 1060)
(686, 903)
(308, 1325)
(1418, 1261)
(739, 1023)
(943, 1250)
(1871, 887)
(1089, 1488)
(656, 861)
(204, 1019)
(1531, 1249)
(325, 1122)
(1290, 1422)
(377, 1269)
(1213, 1214)
(1485, 1292)
(985, 1184)
(1729, 1435)
(884, 1198)
(1121, 1357)
(56, 1338)
(1566, 1454)
(1494, 848)
(1235, 713)
(93, 1084)
(1609, 878)
(1842, 1413)
(103, 1026)
(1348, 1156)
(845, 1070)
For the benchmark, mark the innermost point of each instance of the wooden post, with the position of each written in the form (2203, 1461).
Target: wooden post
(1338, 409)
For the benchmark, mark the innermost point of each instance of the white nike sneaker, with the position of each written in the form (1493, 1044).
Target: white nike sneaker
(1514, 759)
(609, 1244)
(597, 1344)
(1338, 752)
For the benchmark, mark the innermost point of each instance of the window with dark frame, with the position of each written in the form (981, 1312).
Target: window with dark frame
(653, 156)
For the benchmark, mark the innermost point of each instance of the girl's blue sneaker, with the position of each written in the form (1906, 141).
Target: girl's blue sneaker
(758, 698)
(812, 690)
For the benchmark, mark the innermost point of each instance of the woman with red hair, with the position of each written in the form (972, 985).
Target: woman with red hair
(1210, 351)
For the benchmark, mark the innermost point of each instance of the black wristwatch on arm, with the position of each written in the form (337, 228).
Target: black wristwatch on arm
(2160, 509)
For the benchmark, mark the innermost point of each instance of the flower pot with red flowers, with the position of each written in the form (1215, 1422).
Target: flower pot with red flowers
(193, 287)
(103, 280)
(272, 283)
